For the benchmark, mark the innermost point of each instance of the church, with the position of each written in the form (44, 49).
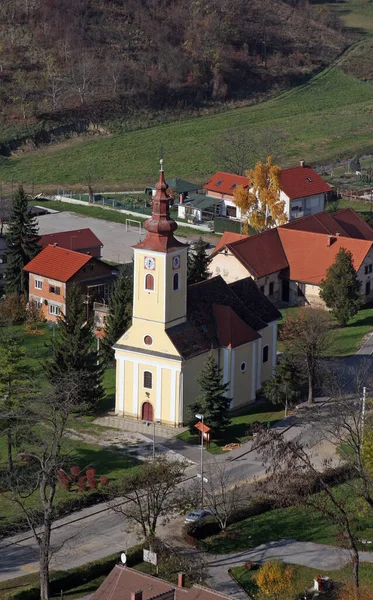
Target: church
(175, 326)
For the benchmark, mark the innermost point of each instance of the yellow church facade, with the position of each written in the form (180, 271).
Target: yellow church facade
(175, 326)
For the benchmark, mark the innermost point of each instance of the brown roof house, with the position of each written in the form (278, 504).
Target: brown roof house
(124, 583)
(288, 263)
(302, 189)
(80, 240)
(54, 269)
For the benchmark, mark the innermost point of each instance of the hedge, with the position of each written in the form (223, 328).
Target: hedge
(67, 580)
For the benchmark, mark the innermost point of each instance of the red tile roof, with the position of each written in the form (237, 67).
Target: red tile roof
(228, 237)
(302, 246)
(122, 581)
(225, 183)
(310, 255)
(57, 263)
(232, 331)
(300, 182)
(262, 253)
(77, 239)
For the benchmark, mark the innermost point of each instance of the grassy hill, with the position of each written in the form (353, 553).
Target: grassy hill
(328, 117)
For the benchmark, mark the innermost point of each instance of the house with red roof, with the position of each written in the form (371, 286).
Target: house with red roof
(80, 240)
(302, 189)
(289, 262)
(54, 269)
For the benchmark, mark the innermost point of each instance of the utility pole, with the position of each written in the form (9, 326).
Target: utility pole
(200, 417)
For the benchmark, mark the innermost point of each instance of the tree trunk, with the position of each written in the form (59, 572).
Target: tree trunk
(310, 389)
(44, 559)
(9, 447)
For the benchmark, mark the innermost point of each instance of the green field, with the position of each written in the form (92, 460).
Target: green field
(328, 117)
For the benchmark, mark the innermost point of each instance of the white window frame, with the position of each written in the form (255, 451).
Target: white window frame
(36, 282)
(54, 312)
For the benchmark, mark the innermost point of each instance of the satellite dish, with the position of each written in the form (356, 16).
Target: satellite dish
(123, 558)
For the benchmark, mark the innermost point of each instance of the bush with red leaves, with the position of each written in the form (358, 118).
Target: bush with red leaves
(104, 481)
(75, 472)
(91, 473)
(82, 484)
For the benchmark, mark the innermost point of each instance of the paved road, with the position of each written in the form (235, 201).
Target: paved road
(308, 554)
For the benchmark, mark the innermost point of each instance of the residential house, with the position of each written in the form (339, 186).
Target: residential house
(3, 263)
(288, 263)
(54, 269)
(80, 240)
(178, 188)
(175, 326)
(302, 189)
(124, 583)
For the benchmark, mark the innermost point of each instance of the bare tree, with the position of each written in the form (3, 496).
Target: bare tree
(151, 494)
(306, 335)
(222, 495)
(294, 479)
(43, 458)
(239, 150)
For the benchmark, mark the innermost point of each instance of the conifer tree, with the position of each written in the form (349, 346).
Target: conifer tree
(212, 401)
(340, 290)
(14, 388)
(120, 311)
(75, 354)
(198, 263)
(22, 243)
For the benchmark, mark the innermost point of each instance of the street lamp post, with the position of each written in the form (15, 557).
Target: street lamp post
(200, 417)
(148, 423)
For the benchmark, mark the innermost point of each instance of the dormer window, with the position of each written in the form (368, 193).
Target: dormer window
(233, 186)
(309, 179)
(219, 182)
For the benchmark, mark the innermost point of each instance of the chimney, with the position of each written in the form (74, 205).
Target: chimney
(331, 240)
(337, 233)
(136, 595)
(181, 580)
(181, 198)
(302, 163)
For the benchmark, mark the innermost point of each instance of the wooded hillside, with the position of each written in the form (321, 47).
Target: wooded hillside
(108, 60)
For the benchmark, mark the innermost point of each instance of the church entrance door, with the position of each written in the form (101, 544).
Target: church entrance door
(147, 412)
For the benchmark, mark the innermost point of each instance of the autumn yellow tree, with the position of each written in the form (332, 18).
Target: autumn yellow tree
(260, 200)
(274, 579)
(350, 592)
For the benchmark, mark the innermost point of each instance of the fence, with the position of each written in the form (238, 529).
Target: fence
(222, 224)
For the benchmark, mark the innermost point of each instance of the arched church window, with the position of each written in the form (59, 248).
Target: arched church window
(148, 380)
(176, 282)
(149, 282)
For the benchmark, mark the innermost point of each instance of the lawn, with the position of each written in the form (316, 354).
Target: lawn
(328, 117)
(262, 412)
(303, 579)
(344, 340)
(296, 522)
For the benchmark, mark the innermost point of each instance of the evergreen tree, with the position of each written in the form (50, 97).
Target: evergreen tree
(75, 354)
(120, 311)
(198, 263)
(286, 384)
(22, 243)
(340, 290)
(212, 401)
(14, 388)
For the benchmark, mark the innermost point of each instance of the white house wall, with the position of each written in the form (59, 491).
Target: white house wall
(228, 267)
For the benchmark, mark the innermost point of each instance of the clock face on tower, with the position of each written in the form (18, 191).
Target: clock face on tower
(176, 262)
(149, 263)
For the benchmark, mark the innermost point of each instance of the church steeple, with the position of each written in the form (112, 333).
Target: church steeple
(160, 226)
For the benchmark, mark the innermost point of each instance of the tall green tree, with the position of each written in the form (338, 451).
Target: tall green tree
(341, 289)
(212, 401)
(198, 262)
(14, 387)
(120, 312)
(22, 243)
(75, 353)
(286, 384)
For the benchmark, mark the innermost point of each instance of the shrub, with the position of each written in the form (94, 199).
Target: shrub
(91, 473)
(104, 481)
(92, 484)
(82, 484)
(75, 472)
